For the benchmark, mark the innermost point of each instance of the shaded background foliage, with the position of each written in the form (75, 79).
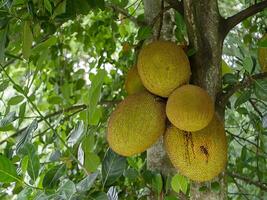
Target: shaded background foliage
(63, 65)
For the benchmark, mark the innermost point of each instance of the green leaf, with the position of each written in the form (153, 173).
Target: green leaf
(144, 33)
(33, 160)
(226, 68)
(260, 89)
(44, 45)
(76, 133)
(248, 64)
(25, 194)
(91, 161)
(22, 109)
(215, 186)
(88, 143)
(3, 40)
(230, 79)
(86, 184)
(242, 110)
(8, 172)
(95, 116)
(26, 136)
(94, 94)
(121, 3)
(27, 40)
(131, 174)
(24, 164)
(48, 6)
(263, 43)
(191, 52)
(4, 85)
(98, 3)
(244, 97)
(60, 9)
(10, 117)
(180, 30)
(15, 100)
(67, 190)
(113, 167)
(51, 178)
(77, 7)
(8, 127)
(55, 100)
(157, 183)
(179, 183)
(100, 196)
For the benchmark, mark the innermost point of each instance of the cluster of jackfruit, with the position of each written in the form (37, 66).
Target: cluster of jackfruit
(159, 89)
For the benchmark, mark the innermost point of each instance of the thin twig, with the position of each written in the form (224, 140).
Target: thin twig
(239, 188)
(248, 180)
(80, 108)
(125, 13)
(222, 98)
(177, 5)
(132, 14)
(255, 107)
(160, 19)
(231, 22)
(159, 15)
(46, 121)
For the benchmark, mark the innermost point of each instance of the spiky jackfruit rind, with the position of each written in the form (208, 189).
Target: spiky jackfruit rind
(163, 66)
(190, 108)
(262, 55)
(133, 83)
(200, 155)
(136, 124)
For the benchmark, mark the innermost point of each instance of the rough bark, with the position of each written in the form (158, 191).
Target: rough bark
(203, 26)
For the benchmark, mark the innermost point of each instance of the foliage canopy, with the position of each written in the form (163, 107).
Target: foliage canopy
(63, 65)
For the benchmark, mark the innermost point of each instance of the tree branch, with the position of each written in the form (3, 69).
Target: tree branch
(259, 184)
(118, 9)
(222, 98)
(255, 107)
(76, 108)
(231, 22)
(177, 5)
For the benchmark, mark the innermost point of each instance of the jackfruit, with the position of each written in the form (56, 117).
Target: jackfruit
(136, 124)
(190, 108)
(200, 155)
(133, 83)
(163, 66)
(262, 55)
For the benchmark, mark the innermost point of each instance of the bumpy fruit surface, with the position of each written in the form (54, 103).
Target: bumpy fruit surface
(133, 83)
(262, 55)
(190, 108)
(136, 124)
(163, 66)
(200, 155)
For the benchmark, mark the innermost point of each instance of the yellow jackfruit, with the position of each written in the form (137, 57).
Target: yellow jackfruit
(133, 83)
(190, 108)
(136, 124)
(163, 66)
(200, 155)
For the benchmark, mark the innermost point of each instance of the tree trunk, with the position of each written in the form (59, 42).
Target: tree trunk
(203, 26)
